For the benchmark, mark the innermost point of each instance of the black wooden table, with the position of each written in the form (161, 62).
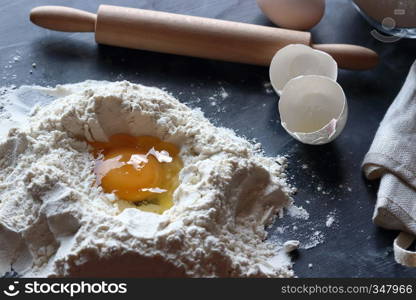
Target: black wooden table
(328, 177)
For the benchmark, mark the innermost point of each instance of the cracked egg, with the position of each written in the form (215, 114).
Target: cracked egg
(141, 171)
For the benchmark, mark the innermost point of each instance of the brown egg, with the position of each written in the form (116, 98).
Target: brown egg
(293, 14)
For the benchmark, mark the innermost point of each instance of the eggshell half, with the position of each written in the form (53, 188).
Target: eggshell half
(313, 109)
(296, 60)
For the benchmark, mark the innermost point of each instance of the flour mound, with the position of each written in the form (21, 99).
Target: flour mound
(55, 220)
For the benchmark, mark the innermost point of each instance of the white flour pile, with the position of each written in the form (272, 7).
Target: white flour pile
(55, 220)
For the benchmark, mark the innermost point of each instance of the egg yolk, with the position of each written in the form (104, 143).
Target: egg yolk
(141, 171)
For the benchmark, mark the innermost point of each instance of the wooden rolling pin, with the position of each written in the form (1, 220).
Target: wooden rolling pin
(193, 36)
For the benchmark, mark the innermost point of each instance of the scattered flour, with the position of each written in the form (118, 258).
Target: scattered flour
(268, 88)
(217, 99)
(308, 234)
(224, 94)
(316, 238)
(55, 220)
(298, 212)
(330, 219)
(290, 246)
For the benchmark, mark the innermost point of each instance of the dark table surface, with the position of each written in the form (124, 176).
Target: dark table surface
(330, 181)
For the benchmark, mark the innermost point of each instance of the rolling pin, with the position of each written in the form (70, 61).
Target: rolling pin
(192, 36)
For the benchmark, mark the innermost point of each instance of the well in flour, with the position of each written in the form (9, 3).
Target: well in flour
(55, 221)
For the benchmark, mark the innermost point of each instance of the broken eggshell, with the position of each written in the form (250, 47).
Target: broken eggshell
(297, 59)
(313, 109)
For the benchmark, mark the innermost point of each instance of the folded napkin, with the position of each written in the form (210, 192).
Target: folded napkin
(392, 158)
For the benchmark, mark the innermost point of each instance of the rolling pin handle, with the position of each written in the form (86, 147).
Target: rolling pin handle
(351, 57)
(62, 18)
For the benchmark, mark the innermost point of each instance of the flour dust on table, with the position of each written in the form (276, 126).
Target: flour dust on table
(56, 220)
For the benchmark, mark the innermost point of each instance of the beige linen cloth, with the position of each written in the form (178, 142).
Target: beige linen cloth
(392, 158)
